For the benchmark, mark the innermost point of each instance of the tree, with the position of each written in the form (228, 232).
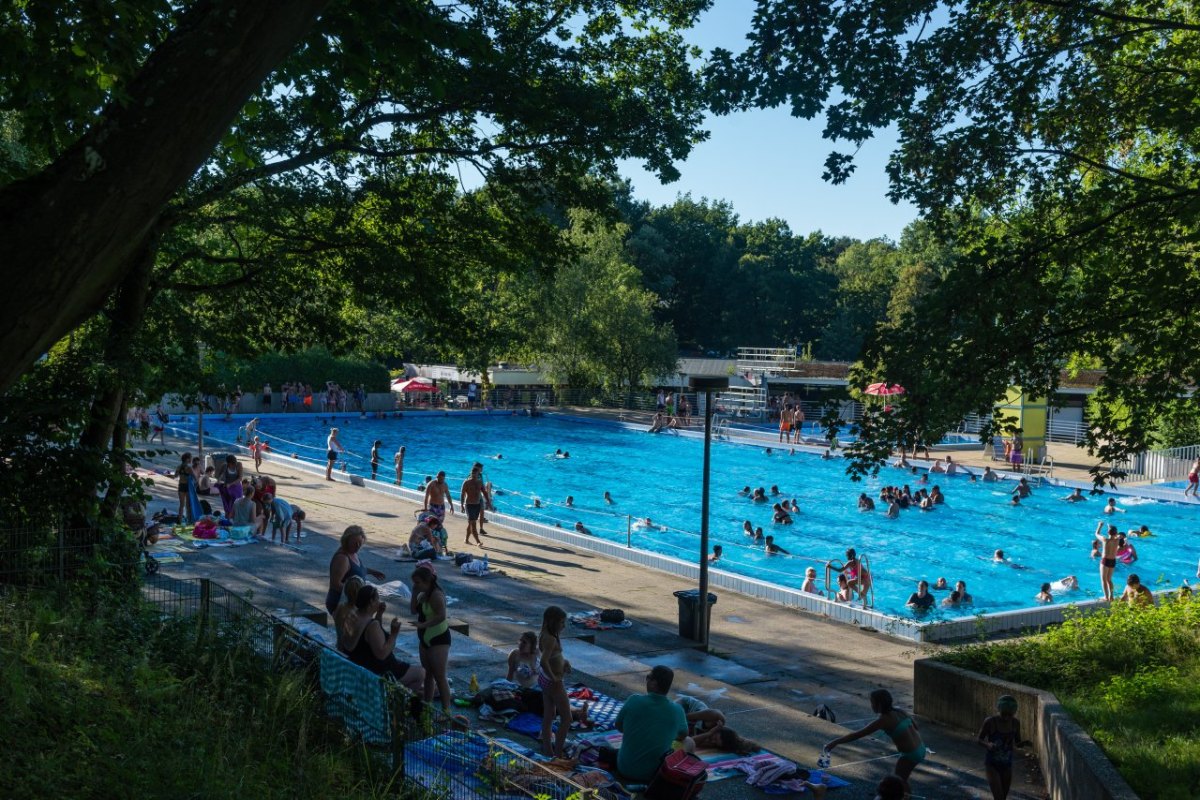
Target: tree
(1052, 143)
(532, 94)
(598, 326)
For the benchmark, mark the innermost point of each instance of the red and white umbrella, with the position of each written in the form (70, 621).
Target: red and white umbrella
(884, 389)
(413, 385)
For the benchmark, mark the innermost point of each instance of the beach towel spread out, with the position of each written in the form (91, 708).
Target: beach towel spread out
(602, 709)
(725, 765)
(591, 621)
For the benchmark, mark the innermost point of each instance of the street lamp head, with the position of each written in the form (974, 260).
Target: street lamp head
(709, 383)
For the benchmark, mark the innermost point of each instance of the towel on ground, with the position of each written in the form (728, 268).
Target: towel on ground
(602, 709)
(591, 621)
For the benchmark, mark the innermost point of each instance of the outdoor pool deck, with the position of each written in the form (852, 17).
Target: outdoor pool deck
(775, 664)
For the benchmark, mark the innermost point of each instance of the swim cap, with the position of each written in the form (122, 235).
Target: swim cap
(1006, 702)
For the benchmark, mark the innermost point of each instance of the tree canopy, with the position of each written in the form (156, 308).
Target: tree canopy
(1053, 145)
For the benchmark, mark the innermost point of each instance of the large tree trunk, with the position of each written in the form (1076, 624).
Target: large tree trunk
(68, 234)
(127, 314)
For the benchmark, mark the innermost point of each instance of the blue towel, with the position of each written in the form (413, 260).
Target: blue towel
(528, 724)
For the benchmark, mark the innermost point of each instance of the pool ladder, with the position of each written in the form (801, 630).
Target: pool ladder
(831, 582)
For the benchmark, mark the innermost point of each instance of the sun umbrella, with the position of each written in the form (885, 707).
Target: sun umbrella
(413, 385)
(884, 389)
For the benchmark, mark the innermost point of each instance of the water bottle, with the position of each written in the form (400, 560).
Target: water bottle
(823, 759)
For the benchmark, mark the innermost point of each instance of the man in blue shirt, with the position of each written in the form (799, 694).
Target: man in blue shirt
(650, 723)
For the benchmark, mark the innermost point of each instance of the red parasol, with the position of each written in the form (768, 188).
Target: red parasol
(884, 389)
(413, 385)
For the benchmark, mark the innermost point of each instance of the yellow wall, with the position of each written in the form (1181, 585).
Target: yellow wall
(1028, 414)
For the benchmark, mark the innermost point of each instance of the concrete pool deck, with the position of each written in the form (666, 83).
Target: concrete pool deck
(768, 668)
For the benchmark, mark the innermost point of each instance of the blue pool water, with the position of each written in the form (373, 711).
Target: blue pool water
(660, 476)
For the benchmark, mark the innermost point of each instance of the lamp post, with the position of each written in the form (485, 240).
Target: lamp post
(708, 385)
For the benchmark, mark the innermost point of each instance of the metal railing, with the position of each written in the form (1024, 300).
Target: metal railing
(42, 555)
(1063, 430)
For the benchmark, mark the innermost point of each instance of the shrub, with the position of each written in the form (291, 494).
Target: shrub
(314, 366)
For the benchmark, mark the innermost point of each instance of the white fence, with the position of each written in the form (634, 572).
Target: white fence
(1158, 466)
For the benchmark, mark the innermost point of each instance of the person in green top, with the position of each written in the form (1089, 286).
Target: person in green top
(433, 632)
(649, 724)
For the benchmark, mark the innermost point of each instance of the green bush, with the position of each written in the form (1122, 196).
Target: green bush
(1129, 676)
(108, 699)
(314, 366)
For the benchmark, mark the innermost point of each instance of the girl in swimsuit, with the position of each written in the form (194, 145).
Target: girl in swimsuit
(899, 727)
(522, 662)
(1000, 735)
(552, 670)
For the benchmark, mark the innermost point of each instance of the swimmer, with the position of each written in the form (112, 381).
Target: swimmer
(1126, 552)
(1111, 507)
(759, 496)
(537, 503)
(989, 476)
(1068, 584)
(1044, 595)
(941, 584)
(758, 535)
(608, 498)
(781, 517)
(1075, 497)
(579, 528)
(963, 597)
(1022, 489)
(810, 581)
(570, 501)
(497, 457)
(1095, 548)
(953, 600)
(998, 557)
(1016, 501)
(935, 494)
(774, 489)
(865, 503)
(745, 492)
(921, 599)
(748, 529)
(773, 548)
(1141, 532)
(769, 451)
(716, 553)
(844, 593)
(826, 456)
(893, 511)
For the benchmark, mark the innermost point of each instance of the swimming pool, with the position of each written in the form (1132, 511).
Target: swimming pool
(659, 476)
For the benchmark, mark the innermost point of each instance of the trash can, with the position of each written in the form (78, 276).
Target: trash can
(689, 606)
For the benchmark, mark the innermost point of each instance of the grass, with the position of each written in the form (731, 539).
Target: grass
(1129, 676)
(107, 699)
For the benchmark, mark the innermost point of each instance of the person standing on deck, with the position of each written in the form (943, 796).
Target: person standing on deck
(437, 495)
(471, 499)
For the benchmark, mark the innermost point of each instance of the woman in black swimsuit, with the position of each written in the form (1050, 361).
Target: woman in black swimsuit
(374, 649)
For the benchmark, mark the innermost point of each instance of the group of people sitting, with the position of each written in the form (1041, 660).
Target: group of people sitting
(246, 501)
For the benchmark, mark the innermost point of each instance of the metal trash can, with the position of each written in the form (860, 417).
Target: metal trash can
(689, 605)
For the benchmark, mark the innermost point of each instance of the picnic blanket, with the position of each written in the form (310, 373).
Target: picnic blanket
(602, 709)
(464, 765)
(591, 621)
(723, 765)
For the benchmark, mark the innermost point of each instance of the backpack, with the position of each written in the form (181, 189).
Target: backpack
(681, 776)
(614, 615)
(824, 712)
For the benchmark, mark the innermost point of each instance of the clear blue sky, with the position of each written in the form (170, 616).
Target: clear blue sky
(769, 164)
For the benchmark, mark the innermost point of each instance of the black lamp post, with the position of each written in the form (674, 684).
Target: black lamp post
(708, 385)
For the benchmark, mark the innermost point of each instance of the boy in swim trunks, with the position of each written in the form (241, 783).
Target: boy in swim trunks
(437, 495)
(1108, 560)
(1193, 479)
(472, 500)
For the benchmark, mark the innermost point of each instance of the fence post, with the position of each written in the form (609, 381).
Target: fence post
(205, 598)
(629, 531)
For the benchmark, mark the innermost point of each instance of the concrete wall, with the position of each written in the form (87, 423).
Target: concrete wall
(1074, 766)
